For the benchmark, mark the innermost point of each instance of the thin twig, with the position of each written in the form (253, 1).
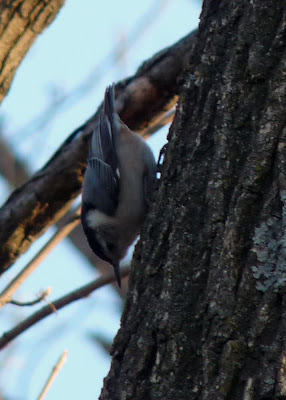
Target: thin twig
(40, 298)
(58, 304)
(53, 375)
(8, 292)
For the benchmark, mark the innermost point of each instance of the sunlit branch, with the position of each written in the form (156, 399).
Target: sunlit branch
(53, 375)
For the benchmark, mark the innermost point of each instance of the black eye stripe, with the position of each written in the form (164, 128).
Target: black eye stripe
(95, 242)
(110, 246)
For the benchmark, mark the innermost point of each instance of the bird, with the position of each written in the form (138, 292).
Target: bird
(118, 182)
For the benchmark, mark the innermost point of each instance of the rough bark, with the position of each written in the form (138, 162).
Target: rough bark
(21, 22)
(45, 198)
(205, 315)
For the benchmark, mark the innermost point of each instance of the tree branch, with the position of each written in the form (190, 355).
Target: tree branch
(8, 292)
(40, 298)
(77, 294)
(21, 23)
(53, 375)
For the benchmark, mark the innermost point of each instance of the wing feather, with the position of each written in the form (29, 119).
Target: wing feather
(100, 187)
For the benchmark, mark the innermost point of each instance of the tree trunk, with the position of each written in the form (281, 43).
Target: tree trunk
(205, 315)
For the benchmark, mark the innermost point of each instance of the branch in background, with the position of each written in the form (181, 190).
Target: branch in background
(80, 293)
(113, 58)
(53, 375)
(40, 298)
(47, 196)
(8, 292)
(21, 23)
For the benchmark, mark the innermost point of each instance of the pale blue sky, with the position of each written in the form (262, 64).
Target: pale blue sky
(68, 52)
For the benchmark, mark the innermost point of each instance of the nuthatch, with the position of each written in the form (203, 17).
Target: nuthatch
(119, 177)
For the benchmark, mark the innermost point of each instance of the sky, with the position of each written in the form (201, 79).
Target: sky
(58, 87)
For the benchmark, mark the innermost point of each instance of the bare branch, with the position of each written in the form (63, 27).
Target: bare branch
(53, 375)
(40, 298)
(8, 292)
(113, 57)
(77, 294)
(46, 197)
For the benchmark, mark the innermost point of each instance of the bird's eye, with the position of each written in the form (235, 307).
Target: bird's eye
(110, 246)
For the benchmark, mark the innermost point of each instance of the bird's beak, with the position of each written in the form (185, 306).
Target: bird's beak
(117, 273)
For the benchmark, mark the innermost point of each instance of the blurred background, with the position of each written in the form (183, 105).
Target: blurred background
(58, 86)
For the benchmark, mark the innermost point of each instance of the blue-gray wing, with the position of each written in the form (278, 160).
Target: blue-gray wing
(100, 187)
(104, 137)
